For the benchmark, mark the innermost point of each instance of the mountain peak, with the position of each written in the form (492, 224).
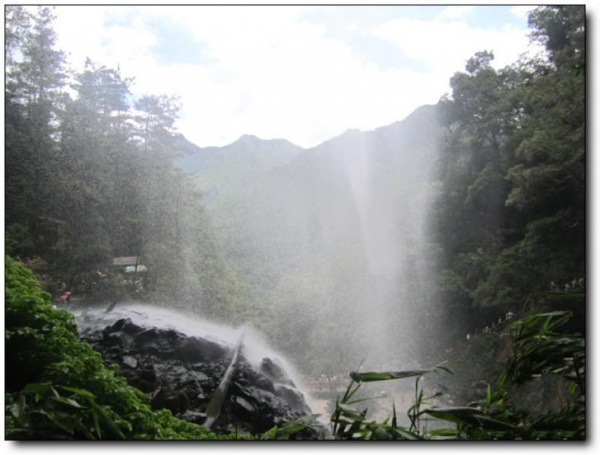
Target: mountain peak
(255, 141)
(248, 138)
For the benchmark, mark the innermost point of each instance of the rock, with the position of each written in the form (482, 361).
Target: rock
(294, 397)
(176, 401)
(194, 416)
(275, 372)
(200, 350)
(181, 373)
(129, 361)
(244, 405)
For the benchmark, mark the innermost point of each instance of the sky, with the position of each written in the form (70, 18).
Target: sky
(302, 73)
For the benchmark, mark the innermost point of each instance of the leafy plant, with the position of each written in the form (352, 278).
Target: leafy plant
(540, 346)
(40, 411)
(293, 429)
(59, 387)
(349, 422)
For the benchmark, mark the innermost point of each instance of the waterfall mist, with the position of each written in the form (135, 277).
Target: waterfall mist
(334, 245)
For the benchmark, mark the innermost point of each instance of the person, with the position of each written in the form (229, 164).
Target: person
(65, 296)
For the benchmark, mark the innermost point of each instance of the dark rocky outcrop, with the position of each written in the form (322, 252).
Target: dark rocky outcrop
(181, 373)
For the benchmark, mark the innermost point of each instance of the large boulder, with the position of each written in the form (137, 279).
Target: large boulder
(181, 372)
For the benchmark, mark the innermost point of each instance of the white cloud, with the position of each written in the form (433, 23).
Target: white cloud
(272, 75)
(444, 47)
(455, 12)
(521, 11)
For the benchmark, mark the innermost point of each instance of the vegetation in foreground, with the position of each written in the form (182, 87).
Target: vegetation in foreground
(58, 388)
(541, 348)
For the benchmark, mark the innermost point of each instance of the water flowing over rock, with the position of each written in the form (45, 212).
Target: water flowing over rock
(179, 362)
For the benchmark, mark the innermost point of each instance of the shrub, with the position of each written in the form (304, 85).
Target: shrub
(59, 387)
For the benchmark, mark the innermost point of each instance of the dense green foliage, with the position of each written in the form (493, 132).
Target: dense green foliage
(510, 217)
(59, 388)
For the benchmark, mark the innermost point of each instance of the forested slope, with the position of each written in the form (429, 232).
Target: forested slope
(90, 176)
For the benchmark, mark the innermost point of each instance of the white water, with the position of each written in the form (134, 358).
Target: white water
(393, 208)
(254, 349)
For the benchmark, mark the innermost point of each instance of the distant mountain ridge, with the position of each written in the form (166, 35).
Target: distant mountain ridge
(250, 157)
(295, 207)
(245, 159)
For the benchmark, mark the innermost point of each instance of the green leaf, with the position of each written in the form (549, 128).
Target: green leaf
(469, 416)
(37, 389)
(443, 368)
(372, 376)
(443, 432)
(67, 401)
(350, 412)
(65, 424)
(107, 420)
(405, 434)
(81, 392)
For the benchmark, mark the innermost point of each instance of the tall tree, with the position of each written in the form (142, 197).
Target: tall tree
(35, 83)
(548, 180)
(97, 155)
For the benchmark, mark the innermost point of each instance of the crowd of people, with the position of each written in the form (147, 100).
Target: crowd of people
(492, 325)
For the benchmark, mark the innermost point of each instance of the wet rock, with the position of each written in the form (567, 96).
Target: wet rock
(194, 416)
(294, 397)
(199, 350)
(147, 373)
(174, 400)
(275, 372)
(129, 361)
(181, 373)
(244, 406)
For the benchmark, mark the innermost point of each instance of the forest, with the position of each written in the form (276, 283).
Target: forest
(326, 251)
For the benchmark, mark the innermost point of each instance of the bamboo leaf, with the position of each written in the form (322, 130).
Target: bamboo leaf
(444, 433)
(443, 368)
(67, 401)
(405, 434)
(470, 416)
(75, 390)
(107, 419)
(350, 412)
(372, 376)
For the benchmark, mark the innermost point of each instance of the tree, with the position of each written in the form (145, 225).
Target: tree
(512, 206)
(38, 79)
(561, 29)
(97, 145)
(35, 78)
(17, 21)
(548, 179)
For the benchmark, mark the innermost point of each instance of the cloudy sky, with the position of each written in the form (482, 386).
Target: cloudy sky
(304, 73)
